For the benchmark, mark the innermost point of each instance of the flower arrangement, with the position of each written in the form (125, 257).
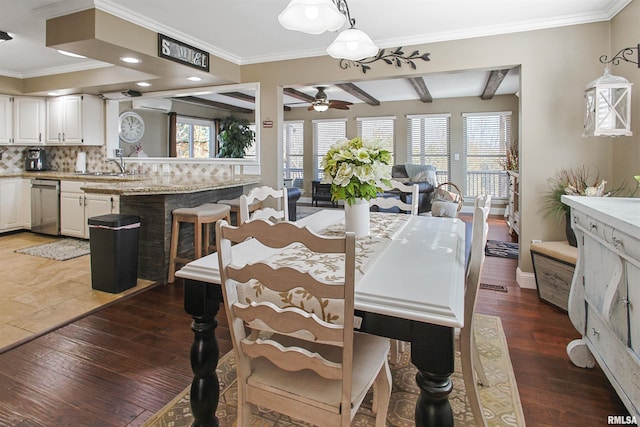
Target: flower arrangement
(356, 169)
(580, 181)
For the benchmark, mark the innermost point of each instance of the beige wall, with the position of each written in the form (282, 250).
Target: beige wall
(625, 32)
(400, 109)
(556, 65)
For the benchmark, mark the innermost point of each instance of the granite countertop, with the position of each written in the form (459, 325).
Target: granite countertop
(141, 184)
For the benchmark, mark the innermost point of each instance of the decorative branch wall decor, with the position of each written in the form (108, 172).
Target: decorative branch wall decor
(393, 57)
(623, 55)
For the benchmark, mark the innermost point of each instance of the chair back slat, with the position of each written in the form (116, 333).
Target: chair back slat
(273, 279)
(293, 358)
(290, 321)
(391, 202)
(260, 194)
(308, 238)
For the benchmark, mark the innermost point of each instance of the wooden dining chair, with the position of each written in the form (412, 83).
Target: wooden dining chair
(482, 201)
(268, 212)
(397, 347)
(471, 365)
(391, 202)
(305, 363)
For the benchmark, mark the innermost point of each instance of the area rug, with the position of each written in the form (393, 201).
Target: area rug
(60, 250)
(501, 401)
(501, 249)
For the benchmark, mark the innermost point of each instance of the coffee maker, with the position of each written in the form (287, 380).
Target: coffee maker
(36, 159)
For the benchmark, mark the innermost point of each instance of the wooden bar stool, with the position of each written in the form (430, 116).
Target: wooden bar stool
(234, 204)
(203, 215)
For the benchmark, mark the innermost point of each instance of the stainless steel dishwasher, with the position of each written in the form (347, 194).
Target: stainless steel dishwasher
(45, 206)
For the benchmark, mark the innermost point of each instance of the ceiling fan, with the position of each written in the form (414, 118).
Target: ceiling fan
(322, 103)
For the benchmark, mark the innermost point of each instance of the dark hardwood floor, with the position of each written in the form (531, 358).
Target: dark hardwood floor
(122, 364)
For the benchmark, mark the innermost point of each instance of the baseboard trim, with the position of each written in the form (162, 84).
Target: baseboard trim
(525, 280)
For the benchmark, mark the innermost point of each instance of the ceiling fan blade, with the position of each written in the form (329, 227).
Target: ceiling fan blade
(339, 107)
(337, 101)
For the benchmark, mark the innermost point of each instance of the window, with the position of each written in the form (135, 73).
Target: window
(195, 138)
(293, 150)
(429, 142)
(486, 136)
(325, 134)
(380, 129)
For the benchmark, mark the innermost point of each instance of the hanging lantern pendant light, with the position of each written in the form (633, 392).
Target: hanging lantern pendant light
(608, 106)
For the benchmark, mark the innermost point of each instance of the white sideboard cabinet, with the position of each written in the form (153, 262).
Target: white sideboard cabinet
(604, 300)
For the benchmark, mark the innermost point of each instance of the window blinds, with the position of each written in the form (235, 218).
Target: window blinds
(293, 152)
(325, 134)
(486, 136)
(430, 141)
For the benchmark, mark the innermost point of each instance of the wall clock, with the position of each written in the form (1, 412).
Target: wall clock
(131, 127)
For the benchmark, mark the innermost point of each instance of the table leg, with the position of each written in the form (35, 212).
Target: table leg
(432, 352)
(200, 301)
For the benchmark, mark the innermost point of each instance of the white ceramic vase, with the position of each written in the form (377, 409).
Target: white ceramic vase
(357, 217)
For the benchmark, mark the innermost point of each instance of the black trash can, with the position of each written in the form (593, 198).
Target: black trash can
(113, 239)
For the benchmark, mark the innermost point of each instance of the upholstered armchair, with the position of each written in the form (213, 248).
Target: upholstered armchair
(423, 175)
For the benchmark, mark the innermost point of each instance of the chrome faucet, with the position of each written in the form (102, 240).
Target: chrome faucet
(119, 153)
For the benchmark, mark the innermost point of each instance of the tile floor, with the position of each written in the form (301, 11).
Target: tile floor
(38, 294)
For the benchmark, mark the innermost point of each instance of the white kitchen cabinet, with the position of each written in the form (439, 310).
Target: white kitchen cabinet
(76, 208)
(6, 119)
(28, 120)
(75, 120)
(605, 291)
(11, 214)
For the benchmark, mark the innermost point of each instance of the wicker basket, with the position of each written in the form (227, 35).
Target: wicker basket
(441, 194)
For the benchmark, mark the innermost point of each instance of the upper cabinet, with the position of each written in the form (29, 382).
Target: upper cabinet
(69, 120)
(75, 120)
(6, 119)
(28, 120)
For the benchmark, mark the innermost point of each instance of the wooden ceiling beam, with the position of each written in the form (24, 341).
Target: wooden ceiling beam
(241, 96)
(213, 104)
(355, 91)
(421, 88)
(298, 95)
(493, 83)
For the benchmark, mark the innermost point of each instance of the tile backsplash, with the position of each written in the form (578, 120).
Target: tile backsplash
(63, 159)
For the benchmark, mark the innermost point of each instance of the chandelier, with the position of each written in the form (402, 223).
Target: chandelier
(318, 16)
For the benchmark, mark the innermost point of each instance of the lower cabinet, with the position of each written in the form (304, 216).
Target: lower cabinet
(76, 208)
(12, 215)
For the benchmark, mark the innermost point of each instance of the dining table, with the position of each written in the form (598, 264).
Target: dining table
(410, 284)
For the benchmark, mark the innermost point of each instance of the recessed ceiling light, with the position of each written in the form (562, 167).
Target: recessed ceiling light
(71, 54)
(130, 60)
(143, 84)
(194, 78)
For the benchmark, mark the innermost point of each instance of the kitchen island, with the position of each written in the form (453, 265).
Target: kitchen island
(153, 198)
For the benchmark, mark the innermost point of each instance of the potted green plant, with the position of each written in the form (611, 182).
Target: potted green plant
(579, 181)
(235, 137)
